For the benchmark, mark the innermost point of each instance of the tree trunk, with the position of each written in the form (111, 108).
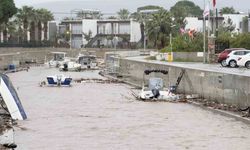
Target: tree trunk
(25, 28)
(20, 35)
(32, 31)
(39, 25)
(5, 35)
(45, 30)
(142, 33)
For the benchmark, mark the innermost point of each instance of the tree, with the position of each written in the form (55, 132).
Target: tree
(24, 16)
(182, 43)
(112, 17)
(241, 40)
(227, 26)
(142, 15)
(228, 10)
(123, 14)
(46, 16)
(159, 28)
(7, 10)
(34, 19)
(183, 9)
(83, 14)
(87, 36)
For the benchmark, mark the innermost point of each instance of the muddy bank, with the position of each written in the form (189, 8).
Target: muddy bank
(6, 130)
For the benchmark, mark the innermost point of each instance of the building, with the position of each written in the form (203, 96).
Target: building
(52, 31)
(73, 29)
(98, 32)
(236, 20)
(111, 32)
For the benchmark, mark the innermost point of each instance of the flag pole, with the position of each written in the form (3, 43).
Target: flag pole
(204, 36)
(208, 30)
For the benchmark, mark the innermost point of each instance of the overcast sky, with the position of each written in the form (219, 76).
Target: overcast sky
(112, 6)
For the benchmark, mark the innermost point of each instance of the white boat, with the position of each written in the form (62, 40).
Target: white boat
(156, 89)
(70, 66)
(59, 80)
(57, 60)
(10, 98)
(87, 61)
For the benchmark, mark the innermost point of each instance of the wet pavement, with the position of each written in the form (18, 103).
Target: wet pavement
(96, 116)
(216, 67)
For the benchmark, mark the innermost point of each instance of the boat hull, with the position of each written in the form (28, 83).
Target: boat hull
(11, 99)
(59, 80)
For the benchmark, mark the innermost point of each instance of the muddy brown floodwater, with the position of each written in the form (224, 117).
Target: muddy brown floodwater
(94, 116)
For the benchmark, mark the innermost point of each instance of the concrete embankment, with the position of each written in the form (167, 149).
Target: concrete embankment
(218, 85)
(18, 55)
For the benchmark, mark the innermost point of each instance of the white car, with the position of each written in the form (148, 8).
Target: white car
(233, 57)
(244, 61)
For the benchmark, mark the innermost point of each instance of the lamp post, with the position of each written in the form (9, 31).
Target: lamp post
(70, 36)
(170, 42)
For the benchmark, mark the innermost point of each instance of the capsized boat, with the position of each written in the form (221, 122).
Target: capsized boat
(156, 89)
(10, 98)
(59, 80)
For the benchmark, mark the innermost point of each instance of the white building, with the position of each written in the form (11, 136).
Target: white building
(197, 23)
(237, 21)
(103, 32)
(194, 23)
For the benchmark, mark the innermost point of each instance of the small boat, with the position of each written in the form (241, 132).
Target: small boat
(87, 61)
(57, 60)
(9, 96)
(59, 80)
(156, 89)
(70, 66)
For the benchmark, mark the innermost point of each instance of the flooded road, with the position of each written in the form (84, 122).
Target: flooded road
(94, 116)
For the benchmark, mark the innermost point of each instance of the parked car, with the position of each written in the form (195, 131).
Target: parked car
(233, 57)
(244, 61)
(223, 55)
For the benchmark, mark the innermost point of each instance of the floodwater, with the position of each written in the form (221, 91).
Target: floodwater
(95, 116)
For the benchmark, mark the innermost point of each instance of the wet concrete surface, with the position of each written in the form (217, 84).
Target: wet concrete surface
(216, 67)
(96, 116)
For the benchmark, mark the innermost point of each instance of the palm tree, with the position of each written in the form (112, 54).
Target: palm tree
(39, 23)
(159, 28)
(24, 16)
(12, 31)
(45, 17)
(34, 19)
(19, 25)
(123, 14)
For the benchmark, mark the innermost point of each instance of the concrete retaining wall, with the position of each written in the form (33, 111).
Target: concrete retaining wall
(188, 56)
(39, 55)
(224, 88)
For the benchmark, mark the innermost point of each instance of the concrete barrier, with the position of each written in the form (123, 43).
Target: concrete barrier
(224, 88)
